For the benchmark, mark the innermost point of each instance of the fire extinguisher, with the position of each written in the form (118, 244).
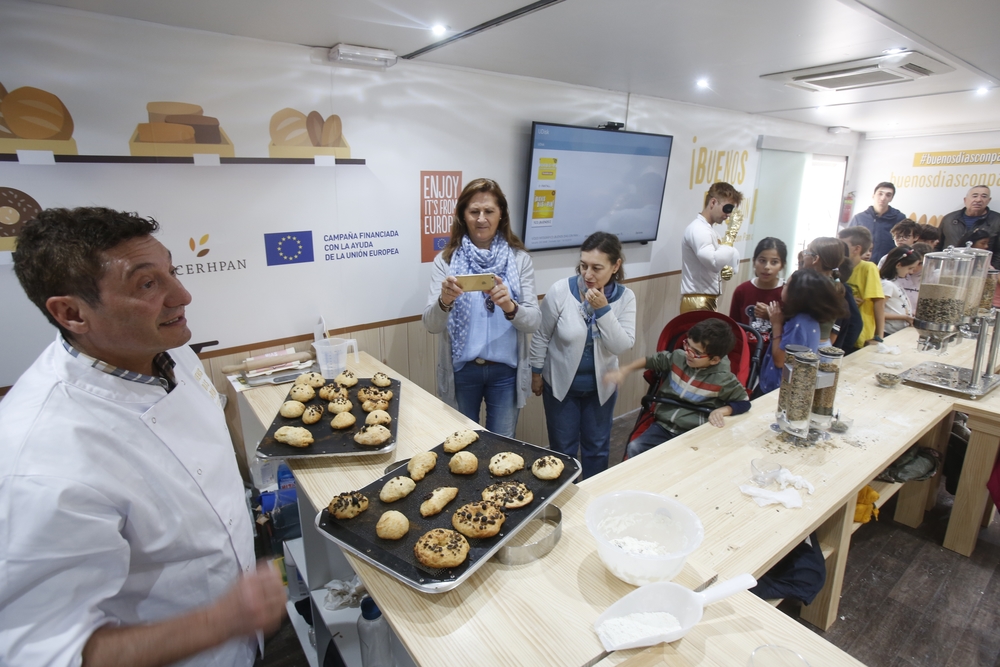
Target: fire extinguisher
(845, 210)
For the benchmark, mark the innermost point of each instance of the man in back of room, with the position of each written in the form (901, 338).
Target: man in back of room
(879, 219)
(702, 254)
(975, 215)
(127, 539)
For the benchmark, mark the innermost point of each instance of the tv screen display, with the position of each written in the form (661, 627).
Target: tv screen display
(582, 180)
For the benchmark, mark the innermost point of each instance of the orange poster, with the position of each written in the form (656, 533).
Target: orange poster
(439, 192)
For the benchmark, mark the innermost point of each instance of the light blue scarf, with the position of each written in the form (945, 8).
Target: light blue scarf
(499, 260)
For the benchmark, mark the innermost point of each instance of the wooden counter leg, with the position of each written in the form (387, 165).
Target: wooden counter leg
(836, 533)
(989, 514)
(970, 501)
(915, 498)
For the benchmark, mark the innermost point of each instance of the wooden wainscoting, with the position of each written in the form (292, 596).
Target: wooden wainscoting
(406, 346)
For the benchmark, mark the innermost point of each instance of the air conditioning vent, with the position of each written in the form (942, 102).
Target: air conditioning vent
(916, 69)
(876, 71)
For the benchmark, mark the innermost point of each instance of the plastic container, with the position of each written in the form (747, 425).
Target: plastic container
(798, 385)
(944, 284)
(790, 352)
(989, 290)
(374, 635)
(625, 522)
(827, 377)
(684, 605)
(977, 278)
(286, 480)
(331, 355)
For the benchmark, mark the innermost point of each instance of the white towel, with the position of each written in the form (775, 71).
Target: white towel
(790, 498)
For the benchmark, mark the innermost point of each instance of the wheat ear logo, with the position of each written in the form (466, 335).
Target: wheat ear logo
(194, 246)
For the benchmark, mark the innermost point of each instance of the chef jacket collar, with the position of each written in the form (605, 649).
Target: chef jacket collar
(162, 362)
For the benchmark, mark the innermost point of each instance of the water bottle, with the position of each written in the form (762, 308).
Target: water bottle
(373, 632)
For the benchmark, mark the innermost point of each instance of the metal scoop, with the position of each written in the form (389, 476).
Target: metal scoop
(684, 605)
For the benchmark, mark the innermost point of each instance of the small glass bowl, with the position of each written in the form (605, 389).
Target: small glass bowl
(887, 380)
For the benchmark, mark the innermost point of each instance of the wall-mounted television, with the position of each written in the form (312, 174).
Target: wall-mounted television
(585, 179)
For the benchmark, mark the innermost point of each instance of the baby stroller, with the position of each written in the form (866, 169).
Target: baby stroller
(744, 360)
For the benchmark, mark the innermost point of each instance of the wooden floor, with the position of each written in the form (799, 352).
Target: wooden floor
(906, 602)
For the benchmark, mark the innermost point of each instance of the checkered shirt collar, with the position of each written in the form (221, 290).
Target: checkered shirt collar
(162, 362)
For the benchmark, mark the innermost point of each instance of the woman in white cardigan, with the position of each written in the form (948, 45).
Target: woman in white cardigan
(587, 321)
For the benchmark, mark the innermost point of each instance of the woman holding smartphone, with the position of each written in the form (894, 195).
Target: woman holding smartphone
(587, 321)
(483, 350)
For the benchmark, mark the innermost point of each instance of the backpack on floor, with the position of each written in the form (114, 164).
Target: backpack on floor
(915, 465)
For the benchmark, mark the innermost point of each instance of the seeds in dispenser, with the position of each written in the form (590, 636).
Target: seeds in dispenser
(801, 385)
(989, 289)
(941, 304)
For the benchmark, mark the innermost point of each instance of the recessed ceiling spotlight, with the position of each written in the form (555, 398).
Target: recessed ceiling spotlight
(703, 83)
(893, 51)
(982, 90)
(439, 30)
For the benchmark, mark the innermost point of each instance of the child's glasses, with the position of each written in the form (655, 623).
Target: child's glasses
(693, 353)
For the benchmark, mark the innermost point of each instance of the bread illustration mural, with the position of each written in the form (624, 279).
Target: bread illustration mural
(179, 129)
(34, 119)
(16, 208)
(298, 135)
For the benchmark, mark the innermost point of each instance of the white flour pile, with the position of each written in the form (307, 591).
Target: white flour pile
(631, 545)
(633, 627)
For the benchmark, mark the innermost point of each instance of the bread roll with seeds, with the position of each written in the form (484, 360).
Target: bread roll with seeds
(441, 548)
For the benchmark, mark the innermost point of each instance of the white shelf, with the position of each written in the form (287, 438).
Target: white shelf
(343, 627)
(302, 632)
(297, 552)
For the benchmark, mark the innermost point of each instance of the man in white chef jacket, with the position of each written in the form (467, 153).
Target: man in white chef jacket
(125, 534)
(702, 255)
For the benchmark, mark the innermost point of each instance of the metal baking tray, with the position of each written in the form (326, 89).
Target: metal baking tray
(395, 557)
(329, 442)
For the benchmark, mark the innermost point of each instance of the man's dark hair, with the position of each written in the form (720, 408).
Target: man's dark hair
(59, 253)
(905, 227)
(887, 185)
(930, 234)
(715, 335)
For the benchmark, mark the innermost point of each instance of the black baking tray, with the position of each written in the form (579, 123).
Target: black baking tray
(395, 557)
(330, 442)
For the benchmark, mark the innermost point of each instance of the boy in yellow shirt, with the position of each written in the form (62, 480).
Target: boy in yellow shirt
(866, 285)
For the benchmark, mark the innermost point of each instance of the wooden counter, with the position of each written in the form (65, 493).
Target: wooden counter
(728, 633)
(543, 612)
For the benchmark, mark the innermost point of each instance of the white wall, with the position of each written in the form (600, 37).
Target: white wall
(412, 117)
(928, 192)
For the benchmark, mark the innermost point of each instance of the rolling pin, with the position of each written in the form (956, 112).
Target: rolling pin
(264, 362)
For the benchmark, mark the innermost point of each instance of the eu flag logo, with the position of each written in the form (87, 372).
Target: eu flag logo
(288, 247)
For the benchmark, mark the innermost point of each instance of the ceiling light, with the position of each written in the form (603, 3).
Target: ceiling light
(893, 51)
(703, 83)
(982, 90)
(838, 129)
(362, 56)
(439, 30)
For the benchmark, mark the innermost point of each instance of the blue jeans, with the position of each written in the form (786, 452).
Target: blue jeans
(651, 437)
(497, 385)
(579, 423)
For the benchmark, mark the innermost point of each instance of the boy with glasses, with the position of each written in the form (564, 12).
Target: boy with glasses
(698, 374)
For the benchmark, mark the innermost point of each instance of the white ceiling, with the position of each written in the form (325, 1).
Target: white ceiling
(659, 48)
